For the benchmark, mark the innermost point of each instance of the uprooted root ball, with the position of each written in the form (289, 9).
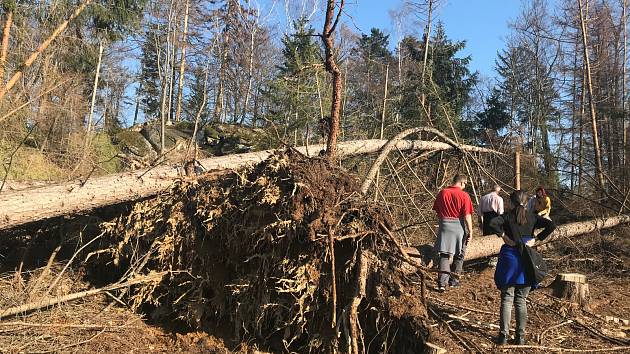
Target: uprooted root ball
(252, 249)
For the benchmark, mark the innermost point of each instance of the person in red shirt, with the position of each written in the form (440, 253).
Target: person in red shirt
(454, 209)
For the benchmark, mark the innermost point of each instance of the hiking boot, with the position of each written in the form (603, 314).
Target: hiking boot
(440, 288)
(501, 339)
(492, 262)
(519, 340)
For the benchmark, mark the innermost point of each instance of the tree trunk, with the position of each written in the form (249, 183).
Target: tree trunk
(548, 159)
(94, 89)
(182, 66)
(581, 133)
(624, 147)
(30, 205)
(42, 47)
(137, 109)
(6, 33)
(250, 71)
(383, 115)
(218, 103)
(164, 76)
(517, 168)
(591, 98)
(171, 80)
(333, 69)
(427, 34)
(202, 107)
(486, 246)
(574, 102)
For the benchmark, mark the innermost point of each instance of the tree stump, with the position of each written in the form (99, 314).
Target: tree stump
(433, 349)
(572, 287)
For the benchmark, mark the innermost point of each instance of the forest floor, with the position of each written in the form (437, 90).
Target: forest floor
(102, 325)
(472, 309)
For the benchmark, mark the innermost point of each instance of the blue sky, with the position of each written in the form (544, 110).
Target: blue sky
(483, 24)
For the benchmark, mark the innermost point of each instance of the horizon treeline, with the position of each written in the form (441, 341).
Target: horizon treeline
(559, 93)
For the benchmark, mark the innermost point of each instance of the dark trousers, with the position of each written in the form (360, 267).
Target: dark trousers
(546, 224)
(487, 216)
(456, 266)
(514, 295)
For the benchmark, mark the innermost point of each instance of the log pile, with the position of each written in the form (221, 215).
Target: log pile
(285, 253)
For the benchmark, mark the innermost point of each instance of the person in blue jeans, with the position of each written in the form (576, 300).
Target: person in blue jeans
(516, 227)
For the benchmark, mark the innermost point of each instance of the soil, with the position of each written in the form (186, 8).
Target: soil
(260, 250)
(603, 258)
(240, 289)
(473, 311)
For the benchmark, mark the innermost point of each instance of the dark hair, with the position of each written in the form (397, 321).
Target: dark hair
(460, 178)
(519, 199)
(541, 189)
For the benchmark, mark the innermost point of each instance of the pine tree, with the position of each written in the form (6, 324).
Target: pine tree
(370, 59)
(448, 84)
(531, 95)
(149, 74)
(294, 93)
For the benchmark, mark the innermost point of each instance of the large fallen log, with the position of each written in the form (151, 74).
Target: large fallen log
(485, 246)
(21, 207)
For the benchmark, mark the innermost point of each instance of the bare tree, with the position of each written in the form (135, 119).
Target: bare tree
(591, 99)
(182, 64)
(331, 66)
(41, 48)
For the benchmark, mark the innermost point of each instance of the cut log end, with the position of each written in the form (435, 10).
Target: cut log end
(572, 287)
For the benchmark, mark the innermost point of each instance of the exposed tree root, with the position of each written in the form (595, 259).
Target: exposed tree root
(252, 249)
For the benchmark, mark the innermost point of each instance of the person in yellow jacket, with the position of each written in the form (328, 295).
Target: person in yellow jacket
(541, 203)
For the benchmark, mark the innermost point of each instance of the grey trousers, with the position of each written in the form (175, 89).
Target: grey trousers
(514, 295)
(446, 266)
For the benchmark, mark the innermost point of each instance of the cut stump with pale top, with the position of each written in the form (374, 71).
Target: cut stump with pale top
(572, 287)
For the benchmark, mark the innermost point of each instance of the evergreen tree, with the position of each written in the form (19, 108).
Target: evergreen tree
(530, 94)
(496, 115)
(293, 95)
(450, 74)
(369, 62)
(447, 86)
(149, 74)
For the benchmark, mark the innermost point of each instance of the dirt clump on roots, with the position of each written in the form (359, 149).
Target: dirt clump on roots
(287, 255)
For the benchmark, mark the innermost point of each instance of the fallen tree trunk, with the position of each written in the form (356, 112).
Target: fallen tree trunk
(485, 246)
(393, 143)
(43, 303)
(21, 207)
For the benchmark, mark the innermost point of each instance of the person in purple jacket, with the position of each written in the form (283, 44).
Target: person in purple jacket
(510, 275)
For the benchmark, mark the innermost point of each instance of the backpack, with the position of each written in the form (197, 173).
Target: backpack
(535, 266)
